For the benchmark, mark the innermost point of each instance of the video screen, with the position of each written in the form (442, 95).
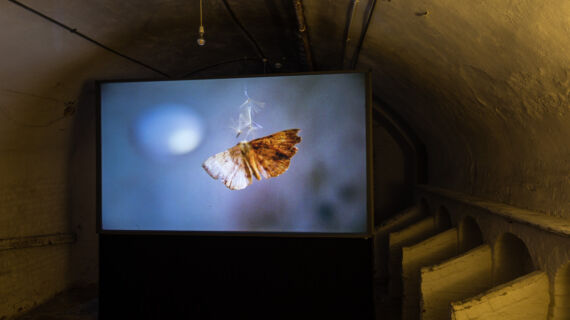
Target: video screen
(270, 154)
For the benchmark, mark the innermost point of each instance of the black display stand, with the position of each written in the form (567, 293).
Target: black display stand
(211, 277)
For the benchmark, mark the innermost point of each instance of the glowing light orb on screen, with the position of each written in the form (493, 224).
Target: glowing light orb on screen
(169, 130)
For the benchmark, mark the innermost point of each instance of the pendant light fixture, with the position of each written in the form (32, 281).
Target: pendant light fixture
(201, 41)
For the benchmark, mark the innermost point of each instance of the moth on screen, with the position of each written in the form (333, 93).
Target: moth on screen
(266, 157)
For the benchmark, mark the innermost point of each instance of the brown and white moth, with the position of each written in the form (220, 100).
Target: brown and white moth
(266, 157)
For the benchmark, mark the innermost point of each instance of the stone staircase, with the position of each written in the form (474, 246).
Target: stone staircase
(467, 260)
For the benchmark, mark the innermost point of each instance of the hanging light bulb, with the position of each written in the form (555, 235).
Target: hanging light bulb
(201, 41)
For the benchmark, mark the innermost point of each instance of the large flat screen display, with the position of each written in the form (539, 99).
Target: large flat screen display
(268, 154)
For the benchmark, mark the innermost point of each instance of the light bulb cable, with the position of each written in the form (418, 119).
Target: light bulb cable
(85, 37)
(201, 41)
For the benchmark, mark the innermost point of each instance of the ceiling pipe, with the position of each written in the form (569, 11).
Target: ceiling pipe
(363, 33)
(302, 28)
(348, 25)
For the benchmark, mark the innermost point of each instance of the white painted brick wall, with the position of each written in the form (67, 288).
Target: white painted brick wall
(33, 201)
(29, 277)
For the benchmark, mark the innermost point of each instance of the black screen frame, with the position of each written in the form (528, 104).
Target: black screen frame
(369, 167)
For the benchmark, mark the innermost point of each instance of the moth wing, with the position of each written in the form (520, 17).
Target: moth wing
(231, 167)
(274, 152)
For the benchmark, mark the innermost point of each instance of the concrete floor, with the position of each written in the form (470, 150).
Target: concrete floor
(82, 304)
(75, 304)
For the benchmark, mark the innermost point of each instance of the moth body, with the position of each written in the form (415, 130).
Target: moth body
(249, 157)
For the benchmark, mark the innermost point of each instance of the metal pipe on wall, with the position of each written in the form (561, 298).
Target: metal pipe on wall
(303, 32)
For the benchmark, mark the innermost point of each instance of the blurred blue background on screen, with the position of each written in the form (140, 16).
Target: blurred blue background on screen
(156, 135)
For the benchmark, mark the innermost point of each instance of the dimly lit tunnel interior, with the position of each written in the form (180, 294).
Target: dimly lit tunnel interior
(470, 131)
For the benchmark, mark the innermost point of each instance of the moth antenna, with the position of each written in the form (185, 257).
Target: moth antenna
(245, 104)
(256, 106)
(256, 125)
(235, 126)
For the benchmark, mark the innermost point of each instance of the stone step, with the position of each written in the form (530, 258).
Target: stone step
(427, 252)
(401, 220)
(453, 280)
(381, 249)
(412, 234)
(561, 305)
(525, 298)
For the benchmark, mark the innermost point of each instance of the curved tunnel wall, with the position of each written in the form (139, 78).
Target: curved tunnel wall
(486, 86)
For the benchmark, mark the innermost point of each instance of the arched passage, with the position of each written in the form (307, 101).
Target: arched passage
(511, 259)
(424, 207)
(442, 219)
(469, 234)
